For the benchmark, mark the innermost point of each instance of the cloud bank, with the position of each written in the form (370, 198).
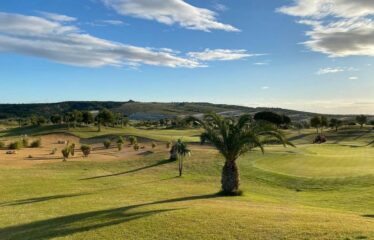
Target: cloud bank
(170, 12)
(339, 28)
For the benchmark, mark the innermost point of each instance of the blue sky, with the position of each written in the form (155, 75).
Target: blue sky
(290, 54)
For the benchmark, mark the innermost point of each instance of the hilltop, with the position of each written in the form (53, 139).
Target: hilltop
(144, 110)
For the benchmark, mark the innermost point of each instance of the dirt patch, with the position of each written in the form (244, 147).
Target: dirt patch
(32, 156)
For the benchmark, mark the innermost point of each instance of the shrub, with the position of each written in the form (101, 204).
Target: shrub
(168, 144)
(119, 146)
(37, 143)
(2, 144)
(53, 152)
(120, 140)
(72, 149)
(107, 143)
(136, 147)
(15, 145)
(320, 139)
(154, 145)
(25, 142)
(133, 140)
(65, 153)
(86, 150)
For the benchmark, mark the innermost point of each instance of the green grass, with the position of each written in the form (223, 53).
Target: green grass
(308, 192)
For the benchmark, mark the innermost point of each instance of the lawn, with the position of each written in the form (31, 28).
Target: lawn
(308, 192)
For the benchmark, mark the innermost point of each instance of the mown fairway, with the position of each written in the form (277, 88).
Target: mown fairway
(308, 192)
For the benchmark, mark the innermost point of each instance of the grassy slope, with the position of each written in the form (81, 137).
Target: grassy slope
(295, 198)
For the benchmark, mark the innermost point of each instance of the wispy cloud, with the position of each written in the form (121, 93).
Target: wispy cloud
(57, 17)
(330, 70)
(56, 41)
(339, 28)
(261, 63)
(170, 12)
(222, 54)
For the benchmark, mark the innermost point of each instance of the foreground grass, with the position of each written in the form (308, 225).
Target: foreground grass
(141, 198)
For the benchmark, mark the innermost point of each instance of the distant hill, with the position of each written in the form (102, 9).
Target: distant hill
(143, 110)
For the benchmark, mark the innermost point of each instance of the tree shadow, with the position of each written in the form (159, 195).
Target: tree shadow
(80, 222)
(368, 215)
(162, 162)
(39, 199)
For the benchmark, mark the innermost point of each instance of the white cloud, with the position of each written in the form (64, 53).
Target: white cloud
(57, 17)
(265, 88)
(261, 63)
(339, 28)
(170, 12)
(53, 40)
(112, 22)
(220, 7)
(330, 70)
(323, 71)
(221, 55)
(353, 78)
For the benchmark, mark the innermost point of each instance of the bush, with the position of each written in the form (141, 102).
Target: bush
(136, 147)
(72, 149)
(15, 145)
(320, 139)
(86, 150)
(2, 144)
(120, 140)
(53, 152)
(25, 142)
(65, 153)
(154, 145)
(37, 143)
(119, 146)
(168, 144)
(133, 140)
(107, 143)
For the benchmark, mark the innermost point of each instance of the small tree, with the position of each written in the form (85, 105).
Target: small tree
(119, 146)
(335, 123)
(25, 142)
(15, 145)
(181, 150)
(136, 147)
(86, 150)
(65, 153)
(154, 145)
(72, 149)
(168, 144)
(319, 122)
(133, 140)
(362, 120)
(36, 144)
(107, 143)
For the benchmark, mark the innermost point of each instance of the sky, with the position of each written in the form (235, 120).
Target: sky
(298, 54)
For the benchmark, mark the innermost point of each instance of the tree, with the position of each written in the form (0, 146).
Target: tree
(286, 120)
(56, 119)
(87, 117)
(233, 138)
(105, 117)
(362, 120)
(269, 117)
(179, 152)
(77, 117)
(318, 122)
(335, 123)
(86, 150)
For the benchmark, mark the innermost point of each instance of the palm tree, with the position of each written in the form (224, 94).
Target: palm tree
(179, 152)
(233, 138)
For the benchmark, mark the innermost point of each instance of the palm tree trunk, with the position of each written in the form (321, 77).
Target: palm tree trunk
(230, 178)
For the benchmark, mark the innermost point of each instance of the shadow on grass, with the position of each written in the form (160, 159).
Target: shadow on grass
(39, 199)
(81, 222)
(162, 162)
(368, 215)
